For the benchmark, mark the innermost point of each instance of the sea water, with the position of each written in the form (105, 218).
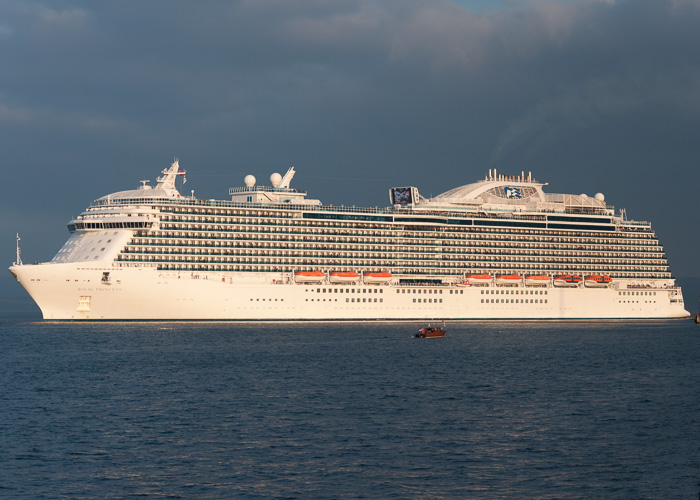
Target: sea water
(576, 409)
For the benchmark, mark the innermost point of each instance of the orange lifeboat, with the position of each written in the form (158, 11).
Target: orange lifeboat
(376, 277)
(343, 277)
(538, 280)
(309, 276)
(479, 279)
(570, 280)
(597, 281)
(508, 279)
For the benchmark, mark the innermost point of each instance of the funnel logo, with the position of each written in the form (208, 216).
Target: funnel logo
(513, 192)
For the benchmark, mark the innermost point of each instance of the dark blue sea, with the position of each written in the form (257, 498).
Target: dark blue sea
(594, 409)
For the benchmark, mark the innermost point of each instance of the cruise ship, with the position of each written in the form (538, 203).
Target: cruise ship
(498, 248)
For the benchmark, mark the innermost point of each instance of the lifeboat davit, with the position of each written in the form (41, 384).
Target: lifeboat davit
(508, 279)
(539, 280)
(376, 277)
(570, 280)
(309, 276)
(343, 277)
(479, 279)
(597, 281)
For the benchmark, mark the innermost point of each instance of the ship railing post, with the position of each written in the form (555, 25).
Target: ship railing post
(19, 252)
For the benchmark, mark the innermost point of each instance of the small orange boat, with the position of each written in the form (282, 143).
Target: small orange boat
(343, 277)
(597, 281)
(430, 332)
(508, 279)
(376, 277)
(569, 280)
(309, 276)
(538, 280)
(479, 279)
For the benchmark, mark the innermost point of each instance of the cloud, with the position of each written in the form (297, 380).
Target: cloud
(63, 20)
(531, 63)
(579, 108)
(13, 115)
(423, 91)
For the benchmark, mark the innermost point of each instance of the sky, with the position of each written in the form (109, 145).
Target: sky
(359, 96)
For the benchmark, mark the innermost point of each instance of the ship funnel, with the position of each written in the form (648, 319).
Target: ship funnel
(284, 183)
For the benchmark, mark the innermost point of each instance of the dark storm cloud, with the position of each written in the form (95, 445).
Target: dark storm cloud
(590, 95)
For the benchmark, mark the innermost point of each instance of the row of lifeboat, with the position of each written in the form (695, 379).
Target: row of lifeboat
(564, 280)
(340, 277)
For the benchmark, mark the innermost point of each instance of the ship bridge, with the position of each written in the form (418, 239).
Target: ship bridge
(164, 189)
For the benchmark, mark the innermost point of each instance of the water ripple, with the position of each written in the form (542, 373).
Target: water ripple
(322, 410)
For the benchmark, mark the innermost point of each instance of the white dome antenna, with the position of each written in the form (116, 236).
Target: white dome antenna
(249, 180)
(275, 179)
(599, 196)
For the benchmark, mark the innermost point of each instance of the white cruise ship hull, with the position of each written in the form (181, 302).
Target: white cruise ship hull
(69, 291)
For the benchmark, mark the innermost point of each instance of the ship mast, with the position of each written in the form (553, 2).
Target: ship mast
(19, 259)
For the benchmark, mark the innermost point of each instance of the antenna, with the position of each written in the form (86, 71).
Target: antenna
(19, 259)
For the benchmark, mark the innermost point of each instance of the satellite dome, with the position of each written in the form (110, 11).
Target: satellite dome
(275, 179)
(249, 180)
(600, 196)
(584, 195)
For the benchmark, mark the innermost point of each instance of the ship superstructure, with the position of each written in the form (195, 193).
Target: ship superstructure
(498, 248)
